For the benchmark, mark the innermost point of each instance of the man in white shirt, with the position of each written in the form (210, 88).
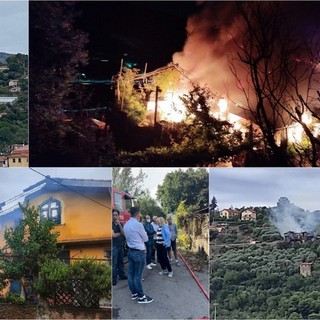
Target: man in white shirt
(136, 236)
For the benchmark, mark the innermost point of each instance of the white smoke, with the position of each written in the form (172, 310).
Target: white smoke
(288, 217)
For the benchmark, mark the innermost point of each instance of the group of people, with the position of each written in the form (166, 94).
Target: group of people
(145, 240)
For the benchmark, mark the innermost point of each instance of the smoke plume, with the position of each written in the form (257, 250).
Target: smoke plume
(214, 35)
(288, 217)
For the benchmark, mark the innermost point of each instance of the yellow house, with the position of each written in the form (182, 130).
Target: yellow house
(79, 207)
(81, 210)
(19, 157)
(249, 214)
(229, 213)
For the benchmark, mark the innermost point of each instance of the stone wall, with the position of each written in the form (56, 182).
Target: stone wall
(11, 311)
(196, 226)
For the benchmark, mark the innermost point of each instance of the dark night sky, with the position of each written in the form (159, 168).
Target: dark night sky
(139, 31)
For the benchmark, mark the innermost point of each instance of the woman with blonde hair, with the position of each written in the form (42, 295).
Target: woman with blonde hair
(163, 243)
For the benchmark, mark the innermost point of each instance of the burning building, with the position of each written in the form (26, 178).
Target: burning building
(301, 237)
(294, 223)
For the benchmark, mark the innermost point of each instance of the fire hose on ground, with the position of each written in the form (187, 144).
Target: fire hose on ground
(194, 276)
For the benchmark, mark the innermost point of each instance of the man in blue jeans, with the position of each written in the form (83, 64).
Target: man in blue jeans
(149, 244)
(136, 236)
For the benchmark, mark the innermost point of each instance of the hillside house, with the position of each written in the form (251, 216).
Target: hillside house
(10, 100)
(305, 268)
(14, 86)
(19, 157)
(229, 213)
(4, 68)
(220, 228)
(13, 83)
(248, 215)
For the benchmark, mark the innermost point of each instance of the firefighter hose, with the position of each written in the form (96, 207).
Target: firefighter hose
(194, 276)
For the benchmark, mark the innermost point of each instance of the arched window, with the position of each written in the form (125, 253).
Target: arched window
(51, 209)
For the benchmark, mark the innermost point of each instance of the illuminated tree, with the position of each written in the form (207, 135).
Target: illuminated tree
(130, 99)
(280, 85)
(201, 132)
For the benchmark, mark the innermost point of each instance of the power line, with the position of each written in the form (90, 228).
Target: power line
(24, 194)
(61, 184)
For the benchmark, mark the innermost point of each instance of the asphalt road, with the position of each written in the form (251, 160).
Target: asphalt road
(179, 297)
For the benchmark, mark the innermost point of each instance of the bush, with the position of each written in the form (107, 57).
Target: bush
(52, 273)
(94, 276)
(184, 240)
(14, 299)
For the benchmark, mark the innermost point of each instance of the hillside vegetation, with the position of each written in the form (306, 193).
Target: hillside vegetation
(14, 117)
(255, 274)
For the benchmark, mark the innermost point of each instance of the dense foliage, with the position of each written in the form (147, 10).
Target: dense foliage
(95, 278)
(150, 205)
(124, 180)
(30, 243)
(265, 283)
(14, 117)
(261, 279)
(62, 133)
(130, 100)
(189, 186)
(31, 254)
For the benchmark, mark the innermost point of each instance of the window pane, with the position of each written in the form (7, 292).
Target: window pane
(54, 204)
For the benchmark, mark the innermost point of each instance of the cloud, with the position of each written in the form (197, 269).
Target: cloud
(14, 26)
(264, 186)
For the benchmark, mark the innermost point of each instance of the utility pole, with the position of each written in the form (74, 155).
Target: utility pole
(123, 85)
(215, 310)
(156, 105)
(144, 73)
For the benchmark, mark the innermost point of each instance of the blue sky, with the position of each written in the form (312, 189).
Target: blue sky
(14, 180)
(14, 26)
(239, 187)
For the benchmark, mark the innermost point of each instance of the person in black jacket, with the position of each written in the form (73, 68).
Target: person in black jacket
(117, 248)
(149, 244)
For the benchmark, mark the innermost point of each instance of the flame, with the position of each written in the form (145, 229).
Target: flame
(223, 105)
(295, 133)
(170, 109)
(306, 118)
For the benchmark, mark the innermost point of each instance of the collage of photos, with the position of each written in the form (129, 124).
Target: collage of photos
(159, 160)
